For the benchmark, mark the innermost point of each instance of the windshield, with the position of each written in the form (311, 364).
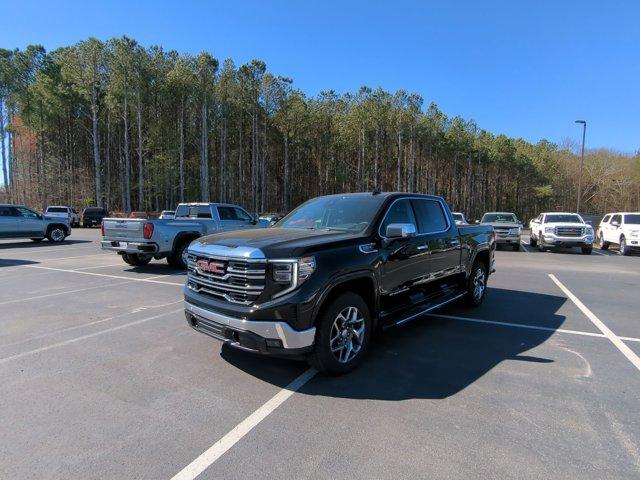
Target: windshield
(632, 219)
(563, 218)
(345, 213)
(499, 218)
(458, 217)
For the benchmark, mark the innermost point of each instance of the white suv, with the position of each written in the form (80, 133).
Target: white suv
(621, 228)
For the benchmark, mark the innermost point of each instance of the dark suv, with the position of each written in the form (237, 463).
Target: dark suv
(93, 216)
(335, 269)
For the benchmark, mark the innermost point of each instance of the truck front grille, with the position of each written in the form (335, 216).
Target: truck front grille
(569, 231)
(233, 280)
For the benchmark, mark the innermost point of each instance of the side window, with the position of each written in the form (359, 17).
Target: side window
(242, 215)
(431, 217)
(25, 212)
(399, 212)
(606, 219)
(203, 211)
(226, 213)
(8, 212)
(617, 218)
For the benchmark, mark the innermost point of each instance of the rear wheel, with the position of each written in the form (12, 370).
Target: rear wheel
(343, 335)
(624, 250)
(56, 234)
(477, 284)
(137, 259)
(532, 241)
(178, 258)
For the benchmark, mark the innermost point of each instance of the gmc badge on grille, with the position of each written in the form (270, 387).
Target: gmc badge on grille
(211, 267)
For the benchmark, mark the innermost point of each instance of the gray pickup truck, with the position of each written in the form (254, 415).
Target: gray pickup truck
(140, 240)
(18, 221)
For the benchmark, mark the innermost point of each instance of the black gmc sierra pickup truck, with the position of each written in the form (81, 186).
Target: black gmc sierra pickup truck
(333, 271)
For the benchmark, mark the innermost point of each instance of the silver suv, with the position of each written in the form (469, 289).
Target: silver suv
(18, 221)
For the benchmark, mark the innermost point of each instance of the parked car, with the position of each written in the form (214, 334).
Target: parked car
(270, 218)
(622, 229)
(507, 226)
(67, 213)
(140, 240)
(167, 215)
(561, 229)
(93, 216)
(459, 218)
(331, 272)
(18, 221)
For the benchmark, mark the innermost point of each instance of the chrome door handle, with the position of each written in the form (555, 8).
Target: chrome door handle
(455, 243)
(423, 247)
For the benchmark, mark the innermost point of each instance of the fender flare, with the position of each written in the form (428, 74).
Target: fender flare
(181, 236)
(336, 281)
(482, 247)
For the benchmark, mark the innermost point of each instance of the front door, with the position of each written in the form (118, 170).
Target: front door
(29, 223)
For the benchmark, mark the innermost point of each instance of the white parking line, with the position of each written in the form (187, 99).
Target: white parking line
(66, 292)
(105, 275)
(83, 325)
(167, 275)
(98, 266)
(83, 337)
(524, 246)
(626, 351)
(209, 456)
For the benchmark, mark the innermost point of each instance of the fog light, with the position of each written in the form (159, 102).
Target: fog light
(274, 343)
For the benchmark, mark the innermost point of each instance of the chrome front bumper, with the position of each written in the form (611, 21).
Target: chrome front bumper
(265, 335)
(130, 247)
(552, 239)
(507, 238)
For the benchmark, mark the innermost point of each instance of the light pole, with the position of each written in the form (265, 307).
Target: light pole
(584, 131)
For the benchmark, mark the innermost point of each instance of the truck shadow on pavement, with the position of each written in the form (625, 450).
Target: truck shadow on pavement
(31, 245)
(432, 357)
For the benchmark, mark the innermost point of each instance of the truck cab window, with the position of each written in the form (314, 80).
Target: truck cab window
(399, 212)
(431, 218)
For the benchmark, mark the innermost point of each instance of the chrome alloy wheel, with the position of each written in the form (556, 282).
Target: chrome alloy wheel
(347, 334)
(57, 235)
(479, 284)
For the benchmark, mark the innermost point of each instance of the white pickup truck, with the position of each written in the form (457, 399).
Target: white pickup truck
(622, 229)
(561, 229)
(139, 240)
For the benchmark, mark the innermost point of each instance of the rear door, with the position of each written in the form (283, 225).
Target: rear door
(438, 237)
(8, 222)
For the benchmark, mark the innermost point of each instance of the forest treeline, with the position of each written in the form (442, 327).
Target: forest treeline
(133, 128)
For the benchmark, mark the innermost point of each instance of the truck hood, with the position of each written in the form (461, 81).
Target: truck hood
(277, 242)
(566, 224)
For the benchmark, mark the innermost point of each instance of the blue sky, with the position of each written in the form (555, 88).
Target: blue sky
(524, 68)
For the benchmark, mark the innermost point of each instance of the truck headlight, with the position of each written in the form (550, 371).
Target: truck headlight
(292, 272)
(589, 231)
(549, 229)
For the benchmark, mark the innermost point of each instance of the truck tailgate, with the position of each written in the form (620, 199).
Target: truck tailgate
(124, 228)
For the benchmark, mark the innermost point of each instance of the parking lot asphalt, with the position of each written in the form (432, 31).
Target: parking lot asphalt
(102, 378)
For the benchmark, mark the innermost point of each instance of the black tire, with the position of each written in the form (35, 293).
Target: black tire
(624, 249)
(37, 240)
(126, 259)
(602, 243)
(476, 285)
(516, 247)
(137, 259)
(56, 234)
(178, 258)
(332, 318)
(587, 250)
(532, 241)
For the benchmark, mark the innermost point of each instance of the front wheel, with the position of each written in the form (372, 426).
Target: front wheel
(56, 234)
(532, 241)
(343, 335)
(587, 250)
(178, 258)
(137, 259)
(477, 284)
(603, 244)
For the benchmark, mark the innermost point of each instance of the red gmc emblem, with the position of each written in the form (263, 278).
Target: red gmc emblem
(211, 267)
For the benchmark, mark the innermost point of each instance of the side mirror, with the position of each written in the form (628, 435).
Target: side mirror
(477, 222)
(401, 230)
